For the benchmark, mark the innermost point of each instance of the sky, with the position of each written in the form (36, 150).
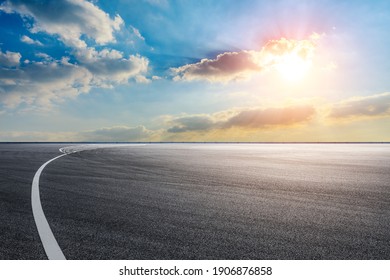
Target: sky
(186, 70)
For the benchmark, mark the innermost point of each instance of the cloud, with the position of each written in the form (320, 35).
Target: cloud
(227, 66)
(362, 107)
(110, 66)
(44, 56)
(9, 59)
(28, 40)
(142, 79)
(108, 134)
(118, 134)
(34, 136)
(256, 118)
(137, 33)
(230, 66)
(192, 123)
(39, 84)
(69, 19)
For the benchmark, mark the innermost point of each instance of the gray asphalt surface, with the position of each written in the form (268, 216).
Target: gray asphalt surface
(18, 163)
(206, 201)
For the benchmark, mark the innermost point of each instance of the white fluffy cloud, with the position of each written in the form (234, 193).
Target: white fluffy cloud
(9, 59)
(40, 84)
(110, 66)
(28, 40)
(68, 19)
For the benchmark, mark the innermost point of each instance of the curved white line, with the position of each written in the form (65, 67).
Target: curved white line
(50, 244)
(52, 249)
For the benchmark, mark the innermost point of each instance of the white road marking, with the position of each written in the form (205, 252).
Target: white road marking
(50, 244)
(52, 249)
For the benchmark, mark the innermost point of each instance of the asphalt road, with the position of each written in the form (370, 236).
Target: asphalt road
(201, 201)
(18, 163)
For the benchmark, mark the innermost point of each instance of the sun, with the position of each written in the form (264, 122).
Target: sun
(292, 67)
(292, 59)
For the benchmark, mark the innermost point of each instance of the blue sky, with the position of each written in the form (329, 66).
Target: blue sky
(160, 70)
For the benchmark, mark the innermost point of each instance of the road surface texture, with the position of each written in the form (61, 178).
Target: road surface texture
(18, 234)
(201, 201)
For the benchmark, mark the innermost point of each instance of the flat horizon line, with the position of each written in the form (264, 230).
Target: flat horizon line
(196, 142)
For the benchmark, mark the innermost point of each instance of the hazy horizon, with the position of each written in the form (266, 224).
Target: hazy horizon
(185, 142)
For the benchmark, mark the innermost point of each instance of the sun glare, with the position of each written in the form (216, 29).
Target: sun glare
(292, 67)
(292, 59)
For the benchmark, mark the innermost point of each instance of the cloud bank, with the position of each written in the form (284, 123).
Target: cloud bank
(236, 124)
(106, 134)
(257, 118)
(269, 117)
(118, 134)
(362, 107)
